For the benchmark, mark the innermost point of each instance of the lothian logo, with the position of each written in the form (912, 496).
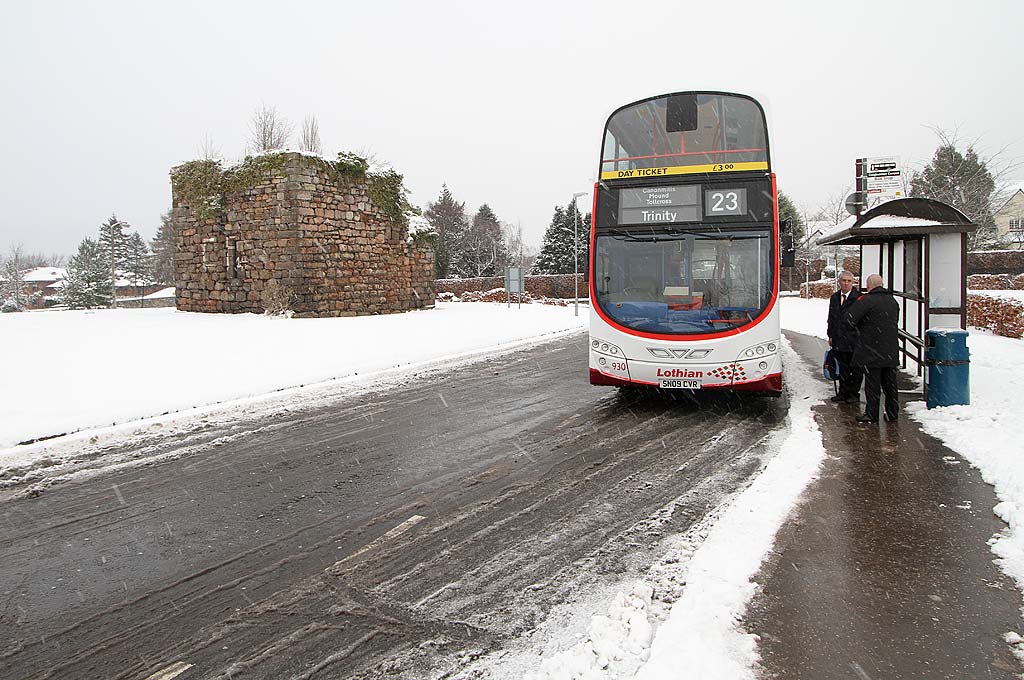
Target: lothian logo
(679, 373)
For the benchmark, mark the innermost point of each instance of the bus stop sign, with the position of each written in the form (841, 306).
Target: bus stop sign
(514, 280)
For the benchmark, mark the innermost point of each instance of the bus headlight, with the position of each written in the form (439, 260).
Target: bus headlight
(760, 349)
(605, 347)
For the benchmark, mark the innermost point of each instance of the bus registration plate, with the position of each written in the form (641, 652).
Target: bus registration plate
(673, 383)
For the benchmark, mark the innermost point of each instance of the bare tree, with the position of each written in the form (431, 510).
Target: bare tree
(520, 254)
(208, 151)
(310, 140)
(268, 130)
(833, 209)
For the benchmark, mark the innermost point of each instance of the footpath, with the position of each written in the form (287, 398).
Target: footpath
(884, 569)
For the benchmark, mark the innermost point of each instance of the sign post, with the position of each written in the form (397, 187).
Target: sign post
(515, 282)
(883, 177)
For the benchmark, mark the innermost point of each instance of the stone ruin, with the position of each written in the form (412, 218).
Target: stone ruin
(289, 231)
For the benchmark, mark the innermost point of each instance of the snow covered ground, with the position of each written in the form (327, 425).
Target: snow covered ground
(170, 361)
(88, 369)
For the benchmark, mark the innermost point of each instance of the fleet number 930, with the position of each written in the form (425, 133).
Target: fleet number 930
(618, 366)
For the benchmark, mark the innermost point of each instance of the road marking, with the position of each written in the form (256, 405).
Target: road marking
(171, 671)
(397, 531)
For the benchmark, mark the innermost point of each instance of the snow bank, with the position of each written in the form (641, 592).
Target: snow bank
(87, 369)
(809, 317)
(988, 433)
(701, 637)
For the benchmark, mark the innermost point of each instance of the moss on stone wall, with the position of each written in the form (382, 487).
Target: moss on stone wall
(202, 184)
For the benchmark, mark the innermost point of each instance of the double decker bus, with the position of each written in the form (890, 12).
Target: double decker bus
(684, 247)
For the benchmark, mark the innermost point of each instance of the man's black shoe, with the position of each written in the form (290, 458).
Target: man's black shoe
(890, 419)
(866, 419)
(836, 399)
(852, 399)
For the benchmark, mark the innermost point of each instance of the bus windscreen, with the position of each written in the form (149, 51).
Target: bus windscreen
(683, 134)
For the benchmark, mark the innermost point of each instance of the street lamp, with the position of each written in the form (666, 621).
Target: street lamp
(113, 274)
(576, 251)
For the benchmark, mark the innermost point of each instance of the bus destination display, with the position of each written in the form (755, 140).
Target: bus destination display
(681, 203)
(658, 205)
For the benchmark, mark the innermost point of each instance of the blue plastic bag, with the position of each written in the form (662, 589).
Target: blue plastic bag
(830, 367)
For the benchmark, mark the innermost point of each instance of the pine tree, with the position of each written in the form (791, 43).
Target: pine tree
(136, 260)
(164, 247)
(964, 181)
(87, 280)
(113, 231)
(559, 242)
(483, 246)
(448, 218)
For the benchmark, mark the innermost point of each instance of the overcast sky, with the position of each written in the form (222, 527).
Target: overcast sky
(504, 103)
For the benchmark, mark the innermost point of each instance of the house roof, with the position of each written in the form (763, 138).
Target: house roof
(898, 220)
(1007, 202)
(40, 274)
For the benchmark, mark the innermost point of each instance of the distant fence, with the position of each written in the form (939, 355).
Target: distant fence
(995, 282)
(539, 285)
(996, 262)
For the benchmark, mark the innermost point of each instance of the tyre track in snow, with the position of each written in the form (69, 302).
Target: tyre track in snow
(242, 550)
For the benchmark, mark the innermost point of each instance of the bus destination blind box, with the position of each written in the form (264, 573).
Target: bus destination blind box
(679, 203)
(681, 113)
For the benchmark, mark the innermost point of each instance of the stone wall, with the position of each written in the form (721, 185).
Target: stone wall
(298, 235)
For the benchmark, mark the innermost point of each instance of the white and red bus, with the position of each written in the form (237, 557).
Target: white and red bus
(684, 247)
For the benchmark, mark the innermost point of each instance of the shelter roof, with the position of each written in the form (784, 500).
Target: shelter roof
(897, 220)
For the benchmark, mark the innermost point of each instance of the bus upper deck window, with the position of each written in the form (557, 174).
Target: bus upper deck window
(681, 113)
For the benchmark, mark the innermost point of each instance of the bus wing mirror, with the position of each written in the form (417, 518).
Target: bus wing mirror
(788, 258)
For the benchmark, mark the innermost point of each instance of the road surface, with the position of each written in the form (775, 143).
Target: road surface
(395, 533)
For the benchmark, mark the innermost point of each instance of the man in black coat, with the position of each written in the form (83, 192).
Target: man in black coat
(842, 338)
(876, 317)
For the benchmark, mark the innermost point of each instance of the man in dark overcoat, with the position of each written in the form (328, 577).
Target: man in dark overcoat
(876, 317)
(842, 338)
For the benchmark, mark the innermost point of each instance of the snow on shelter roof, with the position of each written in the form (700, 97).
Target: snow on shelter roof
(896, 220)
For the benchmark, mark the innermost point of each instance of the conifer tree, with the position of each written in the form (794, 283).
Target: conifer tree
(448, 218)
(87, 280)
(789, 213)
(964, 181)
(559, 242)
(112, 231)
(163, 246)
(483, 246)
(136, 260)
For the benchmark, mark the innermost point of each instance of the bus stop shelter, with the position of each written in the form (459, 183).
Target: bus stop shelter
(919, 247)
